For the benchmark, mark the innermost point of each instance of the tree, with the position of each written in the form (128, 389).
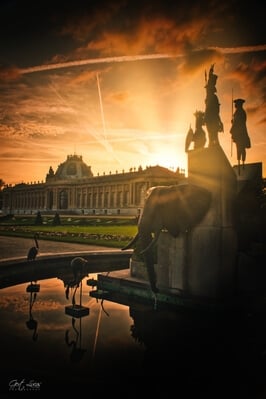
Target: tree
(38, 219)
(56, 220)
(2, 183)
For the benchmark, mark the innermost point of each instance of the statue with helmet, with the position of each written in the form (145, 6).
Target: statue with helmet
(212, 118)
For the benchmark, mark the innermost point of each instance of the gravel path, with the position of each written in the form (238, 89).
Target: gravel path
(14, 247)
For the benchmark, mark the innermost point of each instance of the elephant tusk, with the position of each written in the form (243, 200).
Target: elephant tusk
(132, 242)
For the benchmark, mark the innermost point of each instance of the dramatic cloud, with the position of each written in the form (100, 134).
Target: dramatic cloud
(119, 82)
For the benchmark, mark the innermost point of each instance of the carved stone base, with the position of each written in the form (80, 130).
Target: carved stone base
(138, 269)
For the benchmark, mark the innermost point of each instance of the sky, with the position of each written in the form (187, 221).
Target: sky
(119, 82)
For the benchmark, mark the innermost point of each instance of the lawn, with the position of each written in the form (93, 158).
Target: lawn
(113, 232)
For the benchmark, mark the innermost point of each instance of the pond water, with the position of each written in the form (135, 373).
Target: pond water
(47, 348)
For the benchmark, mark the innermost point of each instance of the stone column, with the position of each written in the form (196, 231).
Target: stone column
(171, 262)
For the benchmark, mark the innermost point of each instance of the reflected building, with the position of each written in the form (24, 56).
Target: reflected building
(73, 188)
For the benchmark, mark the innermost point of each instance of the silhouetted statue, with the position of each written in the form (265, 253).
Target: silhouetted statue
(50, 174)
(33, 251)
(199, 136)
(239, 131)
(212, 118)
(77, 267)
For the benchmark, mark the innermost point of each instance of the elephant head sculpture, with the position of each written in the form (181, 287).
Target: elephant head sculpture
(177, 209)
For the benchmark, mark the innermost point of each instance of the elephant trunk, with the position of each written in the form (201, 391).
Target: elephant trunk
(152, 275)
(147, 244)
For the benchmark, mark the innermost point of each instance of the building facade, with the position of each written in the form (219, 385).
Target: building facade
(73, 189)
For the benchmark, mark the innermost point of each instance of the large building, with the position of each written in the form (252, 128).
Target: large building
(74, 189)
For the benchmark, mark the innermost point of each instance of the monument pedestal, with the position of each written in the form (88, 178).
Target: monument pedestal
(202, 262)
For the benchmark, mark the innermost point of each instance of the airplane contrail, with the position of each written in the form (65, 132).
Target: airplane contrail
(105, 60)
(101, 105)
(128, 58)
(238, 50)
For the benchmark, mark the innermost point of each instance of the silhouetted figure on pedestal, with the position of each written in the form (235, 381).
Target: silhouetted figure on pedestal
(212, 118)
(199, 135)
(78, 269)
(239, 131)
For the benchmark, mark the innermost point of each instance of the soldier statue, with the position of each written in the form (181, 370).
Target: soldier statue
(212, 118)
(239, 131)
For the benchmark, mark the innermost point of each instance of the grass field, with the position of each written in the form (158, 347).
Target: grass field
(106, 231)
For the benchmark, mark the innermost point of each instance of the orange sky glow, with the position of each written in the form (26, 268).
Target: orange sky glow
(120, 85)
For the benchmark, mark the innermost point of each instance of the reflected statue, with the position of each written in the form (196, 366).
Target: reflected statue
(239, 131)
(32, 324)
(212, 118)
(195, 344)
(77, 352)
(76, 310)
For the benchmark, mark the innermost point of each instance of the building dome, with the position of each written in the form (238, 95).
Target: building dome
(72, 168)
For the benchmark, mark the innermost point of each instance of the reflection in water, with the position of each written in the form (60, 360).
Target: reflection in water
(32, 324)
(209, 350)
(127, 343)
(77, 311)
(75, 344)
